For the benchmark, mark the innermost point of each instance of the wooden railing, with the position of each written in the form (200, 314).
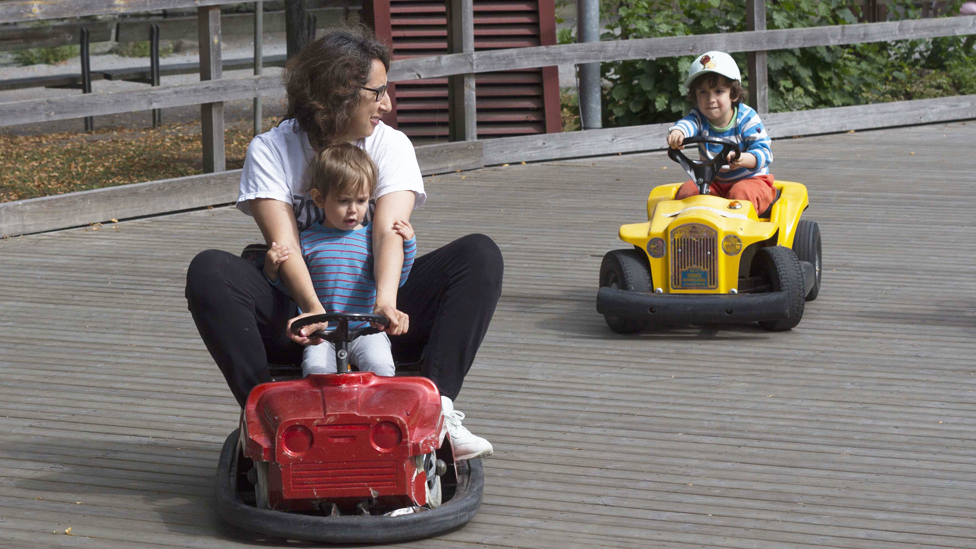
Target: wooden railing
(213, 91)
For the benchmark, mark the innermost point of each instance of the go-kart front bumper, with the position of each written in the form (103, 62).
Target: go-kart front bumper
(693, 308)
(345, 529)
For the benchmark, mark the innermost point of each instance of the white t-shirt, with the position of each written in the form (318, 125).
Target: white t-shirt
(277, 160)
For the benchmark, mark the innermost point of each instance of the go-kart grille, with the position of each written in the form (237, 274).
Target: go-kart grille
(694, 251)
(348, 474)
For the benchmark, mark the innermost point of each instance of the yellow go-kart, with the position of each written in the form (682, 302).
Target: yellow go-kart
(708, 260)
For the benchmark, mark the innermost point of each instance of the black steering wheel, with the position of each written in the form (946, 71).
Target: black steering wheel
(703, 171)
(341, 336)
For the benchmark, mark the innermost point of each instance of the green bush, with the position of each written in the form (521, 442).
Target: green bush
(47, 56)
(652, 91)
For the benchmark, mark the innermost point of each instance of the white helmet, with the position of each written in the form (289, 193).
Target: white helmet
(718, 62)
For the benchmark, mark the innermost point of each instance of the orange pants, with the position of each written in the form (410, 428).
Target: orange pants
(758, 190)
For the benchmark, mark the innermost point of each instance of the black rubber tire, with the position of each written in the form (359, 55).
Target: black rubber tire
(806, 245)
(780, 267)
(625, 270)
(452, 514)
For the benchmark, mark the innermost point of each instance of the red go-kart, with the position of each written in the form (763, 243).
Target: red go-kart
(346, 457)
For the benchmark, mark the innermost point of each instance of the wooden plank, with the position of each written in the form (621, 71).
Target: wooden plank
(14, 11)
(450, 157)
(232, 24)
(211, 114)
(127, 201)
(29, 111)
(652, 48)
(779, 125)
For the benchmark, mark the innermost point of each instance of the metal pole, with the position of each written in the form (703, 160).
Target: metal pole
(86, 81)
(258, 61)
(588, 23)
(157, 114)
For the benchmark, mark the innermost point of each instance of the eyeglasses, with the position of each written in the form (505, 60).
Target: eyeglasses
(380, 91)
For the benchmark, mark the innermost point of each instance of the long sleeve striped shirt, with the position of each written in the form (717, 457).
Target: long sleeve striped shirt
(746, 129)
(341, 265)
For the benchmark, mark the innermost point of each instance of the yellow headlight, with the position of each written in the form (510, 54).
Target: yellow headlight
(731, 245)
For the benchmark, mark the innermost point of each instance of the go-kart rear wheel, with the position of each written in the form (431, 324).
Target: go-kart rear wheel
(781, 270)
(625, 270)
(806, 244)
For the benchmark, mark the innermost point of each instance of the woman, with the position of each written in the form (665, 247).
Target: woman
(336, 89)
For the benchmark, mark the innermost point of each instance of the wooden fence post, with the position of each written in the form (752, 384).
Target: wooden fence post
(211, 114)
(296, 26)
(758, 74)
(462, 109)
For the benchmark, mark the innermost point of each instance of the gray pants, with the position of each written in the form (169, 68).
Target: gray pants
(369, 353)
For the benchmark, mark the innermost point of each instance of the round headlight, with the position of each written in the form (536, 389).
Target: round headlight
(385, 435)
(731, 245)
(297, 439)
(656, 248)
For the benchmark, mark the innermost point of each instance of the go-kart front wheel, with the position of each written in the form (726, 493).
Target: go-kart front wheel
(806, 244)
(781, 271)
(625, 270)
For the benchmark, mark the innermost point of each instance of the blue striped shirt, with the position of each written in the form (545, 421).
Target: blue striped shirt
(341, 265)
(747, 131)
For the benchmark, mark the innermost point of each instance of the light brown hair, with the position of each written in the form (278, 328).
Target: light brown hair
(323, 81)
(341, 170)
(711, 79)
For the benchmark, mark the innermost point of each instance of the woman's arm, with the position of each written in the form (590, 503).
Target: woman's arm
(388, 255)
(277, 223)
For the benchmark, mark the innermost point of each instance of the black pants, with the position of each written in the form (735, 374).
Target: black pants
(450, 297)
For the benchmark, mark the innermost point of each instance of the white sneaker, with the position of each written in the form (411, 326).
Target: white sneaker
(466, 445)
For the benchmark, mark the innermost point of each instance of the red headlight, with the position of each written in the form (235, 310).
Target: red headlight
(297, 439)
(385, 435)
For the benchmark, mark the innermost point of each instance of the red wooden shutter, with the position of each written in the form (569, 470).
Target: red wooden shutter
(510, 103)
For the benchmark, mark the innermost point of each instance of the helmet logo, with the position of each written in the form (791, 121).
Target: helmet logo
(707, 62)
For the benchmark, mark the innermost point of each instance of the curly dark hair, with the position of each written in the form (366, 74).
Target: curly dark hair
(736, 91)
(322, 80)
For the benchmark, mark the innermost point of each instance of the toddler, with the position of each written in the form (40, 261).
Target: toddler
(339, 254)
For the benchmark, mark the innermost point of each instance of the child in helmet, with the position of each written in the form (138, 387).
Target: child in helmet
(715, 88)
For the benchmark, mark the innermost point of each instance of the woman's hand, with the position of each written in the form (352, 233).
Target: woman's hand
(302, 336)
(399, 321)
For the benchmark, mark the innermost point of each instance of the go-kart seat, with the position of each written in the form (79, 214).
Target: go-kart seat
(769, 210)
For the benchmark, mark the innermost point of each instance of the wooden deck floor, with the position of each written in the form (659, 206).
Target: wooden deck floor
(855, 430)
